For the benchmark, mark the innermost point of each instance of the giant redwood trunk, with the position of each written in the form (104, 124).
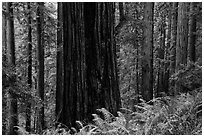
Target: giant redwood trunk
(102, 79)
(147, 53)
(73, 65)
(12, 100)
(89, 58)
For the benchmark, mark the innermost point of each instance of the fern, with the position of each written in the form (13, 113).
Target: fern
(107, 115)
(179, 115)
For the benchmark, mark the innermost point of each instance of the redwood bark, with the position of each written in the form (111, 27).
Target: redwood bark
(174, 37)
(12, 100)
(59, 85)
(192, 33)
(182, 41)
(147, 53)
(89, 57)
(40, 60)
(29, 69)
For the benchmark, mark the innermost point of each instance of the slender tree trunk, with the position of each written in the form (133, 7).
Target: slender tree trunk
(121, 11)
(28, 110)
(12, 100)
(40, 58)
(137, 92)
(167, 53)
(59, 85)
(4, 48)
(122, 21)
(182, 40)
(4, 26)
(173, 42)
(147, 53)
(161, 53)
(192, 33)
(137, 74)
(182, 37)
(174, 36)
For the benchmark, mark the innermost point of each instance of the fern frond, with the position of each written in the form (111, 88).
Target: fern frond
(121, 118)
(89, 129)
(102, 124)
(79, 124)
(21, 130)
(107, 115)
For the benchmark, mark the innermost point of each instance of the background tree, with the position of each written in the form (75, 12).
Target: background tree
(59, 84)
(40, 58)
(167, 49)
(182, 39)
(173, 40)
(12, 100)
(162, 39)
(174, 36)
(192, 33)
(147, 53)
(28, 118)
(161, 20)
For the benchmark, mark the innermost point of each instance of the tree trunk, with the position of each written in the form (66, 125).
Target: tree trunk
(137, 75)
(122, 21)
(161, 53)
(174, 37)
(4, 48)
(192, 33)
(173, 42)
(59, 85)
(12, 100)
(147, 53)
(4, 31)
(74, 106)
(40, 58)
(28, 110)
(121, 11)
(89, 53)
(108, 94)
(182, 39)
(167, 53)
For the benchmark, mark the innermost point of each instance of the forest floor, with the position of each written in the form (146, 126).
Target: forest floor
(180, 115)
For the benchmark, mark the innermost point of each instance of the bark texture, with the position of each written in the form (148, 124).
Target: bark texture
(40, 60)
(182, 41)
(147, 53)
(192, 33)
(12, 100)
(29, 69)
(89, 57)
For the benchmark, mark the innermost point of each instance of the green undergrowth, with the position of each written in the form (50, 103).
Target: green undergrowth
(180, 115)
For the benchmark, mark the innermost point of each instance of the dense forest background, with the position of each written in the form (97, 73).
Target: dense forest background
(102, 68)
